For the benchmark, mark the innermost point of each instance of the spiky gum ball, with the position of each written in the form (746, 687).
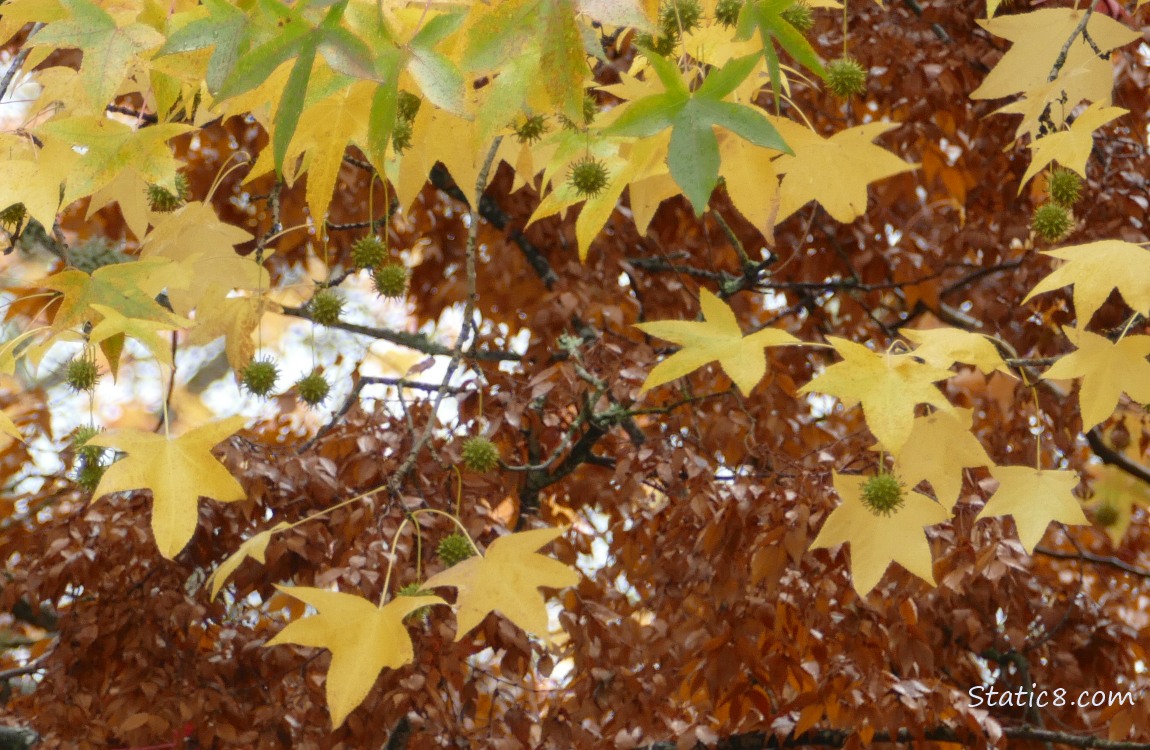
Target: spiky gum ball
(1065, 187)
(414, 589)
(80, 438)
(325, 307)
(679, 16)
(1106, 515)
(82, 374)
(846, 77)
(588, 177)
(313, 388)
(800, 16)
(391, 280)
(882, 494)
(164, 201)
(13, 215)
(368, 252)
(1052, 222)
(480, 454)
(727, 11)
(260, 376)
(89, 474)
(407, 106)
(454, 549)
(530, 129)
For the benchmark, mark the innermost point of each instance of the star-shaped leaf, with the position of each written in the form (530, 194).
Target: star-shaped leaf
(693, 154)
(878, 540)
(217, 24)
(1107, 368)
(1096, 269)
(109, 49)
(939, 448)
(888, 386)
(363, 640)
(109, 147)
(129, 288)
(1071, 147)
(769, 19)
(849, 155)
(147, 332)
(506, 579)
(177, 471)
(717, 338)
(1034, 498)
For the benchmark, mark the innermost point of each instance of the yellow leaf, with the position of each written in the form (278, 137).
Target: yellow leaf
(888, 386)
(848, 156)
(749, 171)
(255, 548)
(1038, 39)
(1107, 368)
(234, 317)
(177, 471)
(1096, 269)
(130, 191)
(942, 347)
(363, 640)
(506, 579)
(939, 448)
(877, 540)
(1034, 498)
(35, 182)
(717, 337)
(1071, 148)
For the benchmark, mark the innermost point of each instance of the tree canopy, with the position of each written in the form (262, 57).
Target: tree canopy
(574, 373)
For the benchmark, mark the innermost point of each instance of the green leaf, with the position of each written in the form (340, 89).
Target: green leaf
(291, 105)
(226, 28)
(721, 83)
(693, 157)
(747, 122)
(766, 17)
(648, 116)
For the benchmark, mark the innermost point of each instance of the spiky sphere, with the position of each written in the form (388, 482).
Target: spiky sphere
(13, 215)
(260, 376)
(1106, 515)
(368, 252)
(415, 589)
(407, 105)
(882, 494)
(80, 437)
(313, 389)
(1052, 222)
(1065, 187)
(454, 549)
(326, 306)
(82, 374)
(679, 16)
(530, 129)
(846, 77)
(480, 454)
(664, 44)
(588, 176)
(391, 280)
(163, 200)
(800, 16)
(88, 475)
(401, 136)
(727, 11)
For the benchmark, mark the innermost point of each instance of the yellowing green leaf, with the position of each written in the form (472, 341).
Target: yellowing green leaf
(1034, 498)
(942, 347)
(177, 471)
(1108, 369)
(848, 155)
(110, 50)
(506, 579)
(1096, 269)
(939, 448)
(888, 386)
(717, 337)
(363, 640)
(254, 547)
(1071, 148)
(876, 540)
(129, 288)
(112, 146)
(147, 332)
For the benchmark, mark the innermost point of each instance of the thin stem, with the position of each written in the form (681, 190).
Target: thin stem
(391, 560)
